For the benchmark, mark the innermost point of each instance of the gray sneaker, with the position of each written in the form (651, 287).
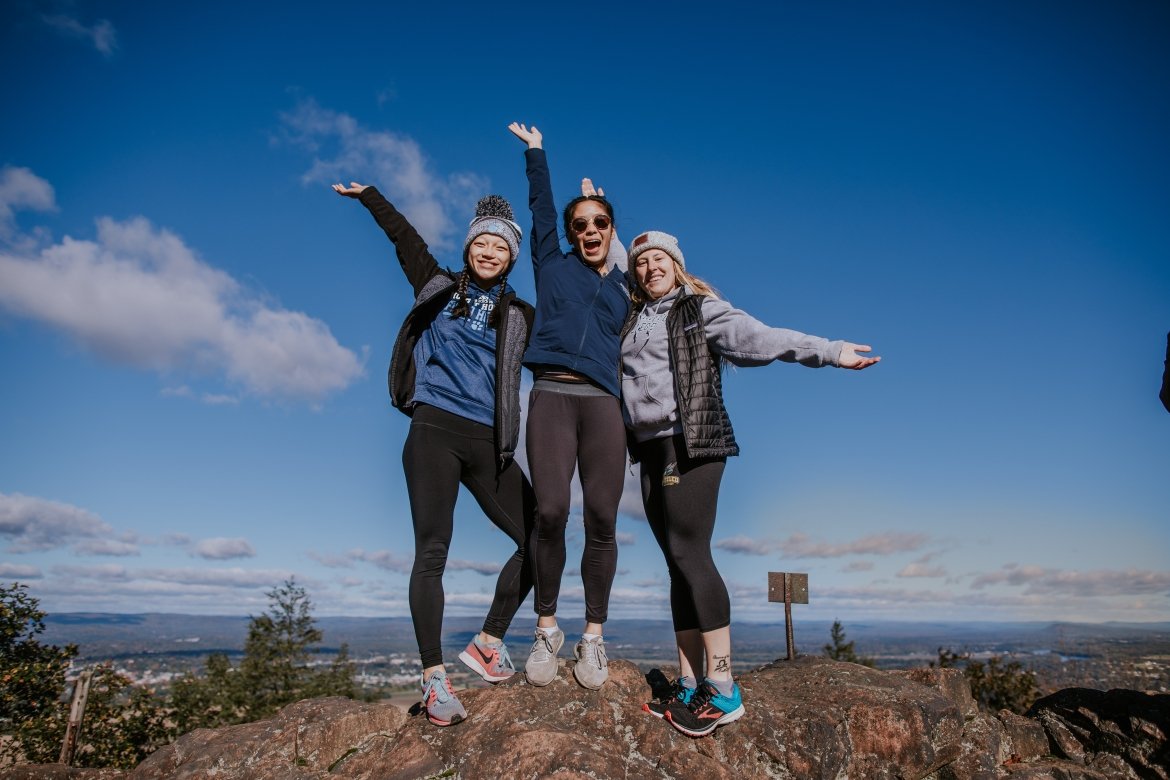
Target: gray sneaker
(592, 667)
(541, 667)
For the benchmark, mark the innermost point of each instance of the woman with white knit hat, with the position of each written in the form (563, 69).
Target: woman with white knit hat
(673, 349)
(456, 372)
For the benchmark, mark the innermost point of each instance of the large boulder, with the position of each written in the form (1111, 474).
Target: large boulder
(1123, 733)
(806, 719)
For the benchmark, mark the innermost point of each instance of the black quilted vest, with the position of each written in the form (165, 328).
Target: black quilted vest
(698, 387)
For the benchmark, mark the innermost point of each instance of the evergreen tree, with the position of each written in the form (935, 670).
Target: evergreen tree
(274, 672)
(840, 650)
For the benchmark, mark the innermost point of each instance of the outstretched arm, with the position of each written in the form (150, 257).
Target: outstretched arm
(745, 341)
(546, 245)
(413, 254)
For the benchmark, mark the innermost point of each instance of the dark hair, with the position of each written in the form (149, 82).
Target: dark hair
(463, 302)
(567, 216)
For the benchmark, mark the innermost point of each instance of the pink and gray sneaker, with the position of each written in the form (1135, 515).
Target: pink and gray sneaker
(490, 661)
(443, 708)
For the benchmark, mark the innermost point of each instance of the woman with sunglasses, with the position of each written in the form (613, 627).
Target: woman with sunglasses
(574, 417)
(673, 350)
(456, 372)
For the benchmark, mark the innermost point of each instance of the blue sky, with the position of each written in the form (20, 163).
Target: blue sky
(194, 329)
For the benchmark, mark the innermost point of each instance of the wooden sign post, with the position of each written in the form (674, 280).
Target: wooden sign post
(76, 715)
(791, 589)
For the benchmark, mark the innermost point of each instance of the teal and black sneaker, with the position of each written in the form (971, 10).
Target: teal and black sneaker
(706, 711)
(676, 693)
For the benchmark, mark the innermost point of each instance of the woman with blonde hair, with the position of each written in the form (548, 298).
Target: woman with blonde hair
(673, 349)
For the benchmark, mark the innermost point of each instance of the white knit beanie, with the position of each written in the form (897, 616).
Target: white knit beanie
(656, 239)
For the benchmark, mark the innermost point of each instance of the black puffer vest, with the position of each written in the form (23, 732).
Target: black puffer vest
(698, 385)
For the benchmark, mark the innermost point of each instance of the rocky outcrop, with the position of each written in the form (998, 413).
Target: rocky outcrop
(809, 718)
(1123, 734)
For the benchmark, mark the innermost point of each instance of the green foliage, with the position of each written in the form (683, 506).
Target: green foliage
(274, 672)
(32, 675)
(995, 685)
(840, 650)
(122, 724)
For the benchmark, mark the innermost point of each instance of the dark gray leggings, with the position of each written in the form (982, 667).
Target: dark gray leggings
(680, 507)
(566, 429)
(443, 451)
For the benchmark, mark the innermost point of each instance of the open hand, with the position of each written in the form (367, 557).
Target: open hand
(850, 359)
(587, 188)
(352, 191)
(531, 137)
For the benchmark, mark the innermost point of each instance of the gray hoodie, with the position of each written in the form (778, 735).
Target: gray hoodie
(648, 401)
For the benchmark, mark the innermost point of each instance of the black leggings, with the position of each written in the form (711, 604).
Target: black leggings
(443, 451)
(681, 496)
(566, 430)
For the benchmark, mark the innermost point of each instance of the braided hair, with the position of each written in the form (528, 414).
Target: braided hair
(491, 208)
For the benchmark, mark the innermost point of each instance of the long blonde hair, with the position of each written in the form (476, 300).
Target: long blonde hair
(681, 278)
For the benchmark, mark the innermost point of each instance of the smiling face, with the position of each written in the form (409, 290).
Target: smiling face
(654, 270)
(488, 257)
(591, 242)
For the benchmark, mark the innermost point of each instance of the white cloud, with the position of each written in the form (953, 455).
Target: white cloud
(32, 524)
(480, 567)
(859, 566)
(744, 545)
(921, 569)
(383, 559)
(17, 571)
(800, 546)
(625, 538)
(220, 549)
(102, 34)
(1040, 581)
(395, 163)
(139, 296)
(20, 188)
(111, 547)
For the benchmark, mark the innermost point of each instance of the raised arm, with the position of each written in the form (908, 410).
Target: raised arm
(413, 255)
(546, 245)
(745, 341)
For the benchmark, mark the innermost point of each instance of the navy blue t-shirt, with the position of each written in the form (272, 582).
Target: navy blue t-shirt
(455, 360)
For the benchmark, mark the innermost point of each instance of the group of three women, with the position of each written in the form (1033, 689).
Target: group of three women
(615, 360)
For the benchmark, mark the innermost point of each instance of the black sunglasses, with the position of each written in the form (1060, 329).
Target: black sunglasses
(581, 224)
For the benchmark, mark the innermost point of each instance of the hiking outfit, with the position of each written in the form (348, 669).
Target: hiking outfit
(574, 417)
(673, 350)
(458, 379)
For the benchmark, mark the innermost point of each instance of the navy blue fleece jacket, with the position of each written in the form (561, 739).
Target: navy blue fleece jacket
(579, 312)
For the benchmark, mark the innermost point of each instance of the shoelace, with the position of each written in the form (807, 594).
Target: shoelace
(443, 688)
(701, 697)
(595, 654)
(505, 659)
(542, 639)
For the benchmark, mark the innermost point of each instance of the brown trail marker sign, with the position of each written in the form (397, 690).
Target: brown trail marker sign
(791, 589)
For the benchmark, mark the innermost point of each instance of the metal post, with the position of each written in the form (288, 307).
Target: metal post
(791, 589)
(788, 617)
(76, 714)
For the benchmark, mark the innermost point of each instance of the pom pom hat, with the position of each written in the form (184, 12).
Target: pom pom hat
(656, 239)
(493, 214)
